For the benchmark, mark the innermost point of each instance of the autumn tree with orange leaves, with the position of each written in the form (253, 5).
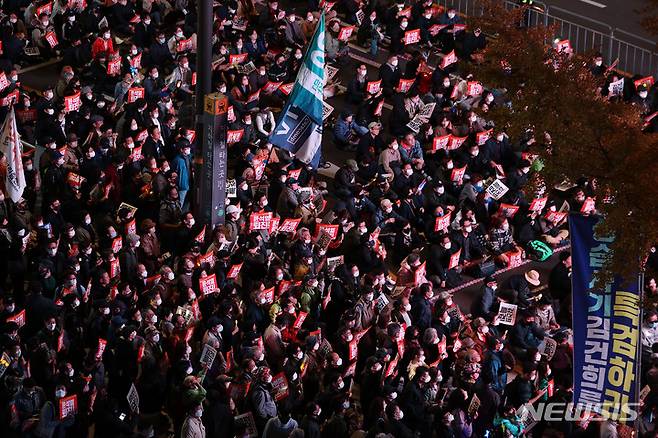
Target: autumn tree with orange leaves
(554, 95)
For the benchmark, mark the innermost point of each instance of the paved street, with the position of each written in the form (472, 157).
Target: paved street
(615, 13)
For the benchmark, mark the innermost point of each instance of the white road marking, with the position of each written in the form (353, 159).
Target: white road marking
(593, 3)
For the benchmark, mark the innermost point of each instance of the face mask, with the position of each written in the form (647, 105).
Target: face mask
(100, 104)
(404, 25)
(394, 63)
(13, 20)
(29, 167)
(451, 15)
(407, 307)
(72, 283)
(426, 378)
(179, 35)
(299, 355)
(268, 379)
(355, 274)
(447, 245)
(468, 229)
(106, 311)
(161, 40)
(50, 111)
(643, 94)
(60, 393)
(400, 415)
(10, 308)
(147, 22)
(106, 36)
(52, 252)
(49, 95)
(654, 324)
(339, 362)
(450, 165)
(170, 276)
(113, 234)
(44, 23)
(485, 330)
(189, 371)
(186, 65)
(134, 51)
(369, 297)
(447, 320)
(450, 418)
(377, 367)
(199, 412)
(298, 56)
(341, 385)
(70, 234)
(349, 338)
(158, 302)
(598, 63)
(51, 327)
(71, 372)
(409, 172)
(156, 338)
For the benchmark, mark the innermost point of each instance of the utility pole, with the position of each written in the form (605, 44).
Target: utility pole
(211, 115)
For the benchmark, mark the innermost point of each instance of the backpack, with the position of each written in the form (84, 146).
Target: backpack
(538, 250)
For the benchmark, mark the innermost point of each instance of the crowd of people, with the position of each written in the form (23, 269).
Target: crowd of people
(322, 307)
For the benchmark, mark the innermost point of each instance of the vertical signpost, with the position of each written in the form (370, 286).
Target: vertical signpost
(212, 166)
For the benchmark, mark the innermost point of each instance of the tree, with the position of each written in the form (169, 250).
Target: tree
(650, 20)
(590, 135)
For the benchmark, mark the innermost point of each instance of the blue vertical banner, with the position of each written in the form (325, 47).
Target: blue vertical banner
(299, 128)
(606, 327)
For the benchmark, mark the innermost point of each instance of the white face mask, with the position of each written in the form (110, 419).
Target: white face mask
(643, 94)
(106, 36)
(447, 245)
(407, 307)
(341, 385)
(598, 63)
(106, 311)
(447, 320)
(485, 330)
(450, 165)
(60, 393)
(50, 111)
(451, 15)
(51, 327)
(339, 362)
(299, 355)
(298, 56)
(170, 276)
(394, 63)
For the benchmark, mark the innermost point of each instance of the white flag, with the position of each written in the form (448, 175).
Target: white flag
(11, 147)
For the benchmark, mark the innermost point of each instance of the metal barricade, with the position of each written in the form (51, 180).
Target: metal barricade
(636, 54)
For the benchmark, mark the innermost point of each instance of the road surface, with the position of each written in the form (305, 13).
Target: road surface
(623, 15)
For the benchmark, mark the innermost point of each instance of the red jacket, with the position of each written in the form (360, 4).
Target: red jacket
(101, 47)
